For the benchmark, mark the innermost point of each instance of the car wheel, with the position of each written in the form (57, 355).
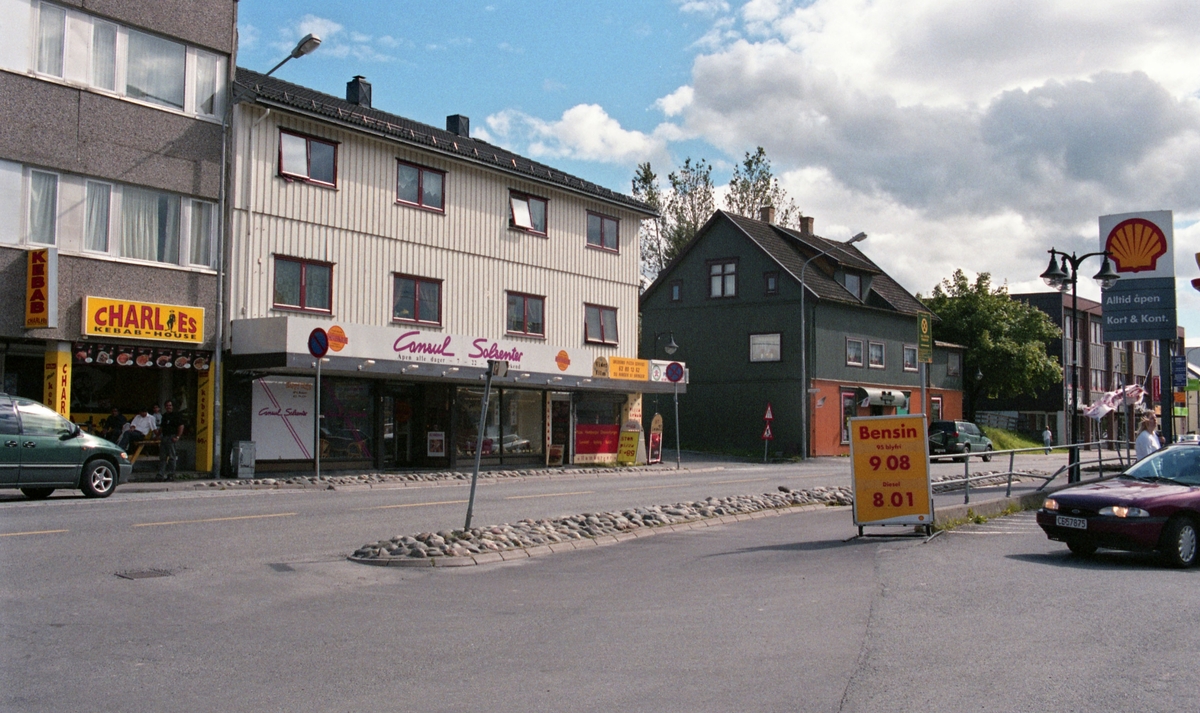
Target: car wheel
(1179, 542)
(99, 479)
(987, 455)
(37, 493)
(966, 456)
(1081, 548)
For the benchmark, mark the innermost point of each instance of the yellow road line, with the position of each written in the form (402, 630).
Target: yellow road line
(214, 519)
(412, 505)
(31, 532)
(744, 480)
(548, 495)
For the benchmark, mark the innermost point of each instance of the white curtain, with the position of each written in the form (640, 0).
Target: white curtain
(155, 70)
(98, 199)
(201, 233)
(43, 207)
(206, 84)
(51, 36)
(149, 225)
(104, 55)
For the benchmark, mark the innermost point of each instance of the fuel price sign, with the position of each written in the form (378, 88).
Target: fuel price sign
(889, 465)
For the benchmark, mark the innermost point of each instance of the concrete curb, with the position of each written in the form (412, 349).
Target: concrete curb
(600, 541)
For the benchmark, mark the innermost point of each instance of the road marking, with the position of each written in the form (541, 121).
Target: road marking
(412, 505)
(656, 487)
(214, 519)
(32, 532)
(548, 495)
(744, 480)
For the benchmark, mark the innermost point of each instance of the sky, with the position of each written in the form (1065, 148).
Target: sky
(957, 134)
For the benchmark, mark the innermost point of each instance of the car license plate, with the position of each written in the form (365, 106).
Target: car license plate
(1077, 523)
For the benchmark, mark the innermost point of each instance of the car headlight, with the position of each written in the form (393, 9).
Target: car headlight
(1122, 511)
(1050, 504)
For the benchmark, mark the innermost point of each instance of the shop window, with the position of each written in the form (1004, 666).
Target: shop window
(764, 347)
(152, 69)
(910, 358)
(526, 315)
(528, 213)
(602, 231)
(420, 186)
(303, 284)
(522, 427)
(417, 299)
(875, 352)
(722, 278)
(307, 158)
(347, 420)
(43, 207)
(849, 411)
(854, 352)
(600, 324)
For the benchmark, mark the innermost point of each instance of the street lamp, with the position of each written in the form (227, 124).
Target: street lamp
(1063, 275)
(804, 349)
(307, 44)
(670, 348)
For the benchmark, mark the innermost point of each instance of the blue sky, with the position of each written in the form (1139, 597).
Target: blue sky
(971, 135)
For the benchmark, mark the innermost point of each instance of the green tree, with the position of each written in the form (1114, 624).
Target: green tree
(688, 206)
(753, 186)
(650, 232)
(1005, 339)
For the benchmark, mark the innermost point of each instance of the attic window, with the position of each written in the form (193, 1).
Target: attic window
(854, 285)
(528, 213)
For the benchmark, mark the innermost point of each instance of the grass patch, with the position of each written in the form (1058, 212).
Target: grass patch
(974, 518)
(1004, 440)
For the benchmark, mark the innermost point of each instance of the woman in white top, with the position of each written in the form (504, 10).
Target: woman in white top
(1147, 439)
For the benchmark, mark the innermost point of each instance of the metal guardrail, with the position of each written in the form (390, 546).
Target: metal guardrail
(1117, 455)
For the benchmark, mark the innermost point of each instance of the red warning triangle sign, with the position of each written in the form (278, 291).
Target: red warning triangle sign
(769, 416)
(767, 435)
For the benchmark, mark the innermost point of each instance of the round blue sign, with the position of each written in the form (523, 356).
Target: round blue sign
(318, 343)
(674, 371)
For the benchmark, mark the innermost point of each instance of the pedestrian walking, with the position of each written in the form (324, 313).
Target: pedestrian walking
(1047, 439)
(171, 432)
(1147, 439)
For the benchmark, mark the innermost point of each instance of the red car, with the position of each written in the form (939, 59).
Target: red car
(1152, 506)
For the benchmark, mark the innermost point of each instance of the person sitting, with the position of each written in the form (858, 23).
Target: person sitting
(113, 425)
(139, 429)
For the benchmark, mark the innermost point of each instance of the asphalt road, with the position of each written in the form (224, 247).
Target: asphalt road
(261, 612)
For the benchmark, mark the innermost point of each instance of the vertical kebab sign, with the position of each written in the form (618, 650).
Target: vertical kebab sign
(889, 462)
(41, 289)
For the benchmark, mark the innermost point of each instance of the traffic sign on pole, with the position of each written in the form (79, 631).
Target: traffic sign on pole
(768, 416)
(318, 343)
(674, 372)
(767, 435)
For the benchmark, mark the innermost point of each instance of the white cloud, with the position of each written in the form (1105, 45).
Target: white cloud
(336, 41)
(676, 101)
(703, 7)
(248, 36)
(585, 132)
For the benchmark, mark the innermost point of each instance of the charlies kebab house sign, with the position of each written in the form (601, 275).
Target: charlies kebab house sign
(106, 317)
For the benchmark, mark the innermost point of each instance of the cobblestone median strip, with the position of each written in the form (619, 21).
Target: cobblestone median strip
(533, 538)
(369, 479)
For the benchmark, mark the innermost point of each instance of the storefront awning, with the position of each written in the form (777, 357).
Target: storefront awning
(882, 397)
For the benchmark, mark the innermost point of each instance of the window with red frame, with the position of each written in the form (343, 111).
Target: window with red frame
(420, 186)
(527, 213)
(303, 284)
(526, 315)
(602, 231)
(417, 299)
(601, 324)
(307, 158)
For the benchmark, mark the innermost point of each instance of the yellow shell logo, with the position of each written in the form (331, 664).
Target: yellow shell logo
(1136, 245)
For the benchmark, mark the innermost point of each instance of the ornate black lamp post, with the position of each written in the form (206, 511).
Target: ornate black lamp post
(1063, 276)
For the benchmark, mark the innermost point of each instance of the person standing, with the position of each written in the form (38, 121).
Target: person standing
(170, 433)
(1147, 438)
(1047, 439)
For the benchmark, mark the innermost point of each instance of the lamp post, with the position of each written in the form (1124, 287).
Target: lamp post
(804, 347)
(1058, 277)
(670, 348)
(307, 44)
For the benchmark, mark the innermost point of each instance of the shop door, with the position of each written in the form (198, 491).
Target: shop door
(398, 431)
(560, 430)
(10, 444)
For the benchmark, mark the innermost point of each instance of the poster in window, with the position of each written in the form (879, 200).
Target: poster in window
(282, 423)
(435, 444)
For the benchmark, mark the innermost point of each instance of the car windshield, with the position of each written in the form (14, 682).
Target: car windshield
(1180, 465)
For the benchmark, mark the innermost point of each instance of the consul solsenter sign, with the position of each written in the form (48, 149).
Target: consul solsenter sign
(1141, 305)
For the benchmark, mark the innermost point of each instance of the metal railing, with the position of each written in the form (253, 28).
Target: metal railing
(1118, 458)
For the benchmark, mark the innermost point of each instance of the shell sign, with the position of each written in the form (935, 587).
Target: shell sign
(1139, 243)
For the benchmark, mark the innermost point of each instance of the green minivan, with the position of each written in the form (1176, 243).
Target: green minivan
(40, 451)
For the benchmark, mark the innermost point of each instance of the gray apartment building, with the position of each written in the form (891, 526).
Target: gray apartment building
(110, 205)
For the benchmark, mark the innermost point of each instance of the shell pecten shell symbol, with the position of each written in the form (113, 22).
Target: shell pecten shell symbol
(1136, 245)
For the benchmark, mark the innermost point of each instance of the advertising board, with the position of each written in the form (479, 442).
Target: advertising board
(889, 466)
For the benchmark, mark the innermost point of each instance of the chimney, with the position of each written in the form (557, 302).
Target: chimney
(806, 225)
(767, 214)
(358, 91)
(458, 125)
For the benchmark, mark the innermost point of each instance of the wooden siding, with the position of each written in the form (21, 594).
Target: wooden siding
(359, 227)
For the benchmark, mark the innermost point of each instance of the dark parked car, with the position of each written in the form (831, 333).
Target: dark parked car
(958, 437)
(1152, 506)
(41, 451)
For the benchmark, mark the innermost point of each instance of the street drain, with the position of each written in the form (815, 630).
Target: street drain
(144, 573)
(281, 567)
